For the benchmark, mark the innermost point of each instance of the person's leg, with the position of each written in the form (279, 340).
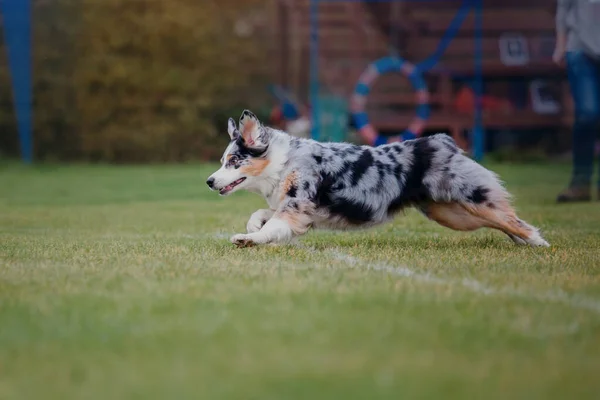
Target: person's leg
(584, 82)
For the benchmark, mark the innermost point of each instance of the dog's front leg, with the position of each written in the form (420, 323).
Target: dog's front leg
(258, 219)
(292, 219)
(275, 230)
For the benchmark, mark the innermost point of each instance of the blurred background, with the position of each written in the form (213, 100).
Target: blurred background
(128, 81)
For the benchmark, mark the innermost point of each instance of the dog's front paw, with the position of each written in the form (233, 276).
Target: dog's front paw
(254, 224)
(241, 241)
(257, 220)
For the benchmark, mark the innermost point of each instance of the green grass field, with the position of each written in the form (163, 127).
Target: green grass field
(120, 282)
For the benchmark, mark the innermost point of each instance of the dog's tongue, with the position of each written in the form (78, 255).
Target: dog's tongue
(231, 186)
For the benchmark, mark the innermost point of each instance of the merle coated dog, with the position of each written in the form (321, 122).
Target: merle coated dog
(342, 186)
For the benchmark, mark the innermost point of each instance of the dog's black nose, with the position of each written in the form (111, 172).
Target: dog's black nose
(210, 182)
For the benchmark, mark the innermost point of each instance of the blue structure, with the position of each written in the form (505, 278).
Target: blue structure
(16, 17)
(289, 105)
(362, 89)
(422, 67)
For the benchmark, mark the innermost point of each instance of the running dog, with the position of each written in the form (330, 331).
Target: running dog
(343, 186)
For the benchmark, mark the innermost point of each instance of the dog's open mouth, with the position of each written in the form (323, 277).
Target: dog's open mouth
(230, 187)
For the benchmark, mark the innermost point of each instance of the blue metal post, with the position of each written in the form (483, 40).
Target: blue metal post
(478, 131)
(314, 68)
(16, 15)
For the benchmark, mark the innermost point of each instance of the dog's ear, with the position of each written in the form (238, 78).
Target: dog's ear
(252, 131)
(232, 129)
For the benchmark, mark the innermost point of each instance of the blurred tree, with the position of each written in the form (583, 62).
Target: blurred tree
(141, 80)
(8, 124)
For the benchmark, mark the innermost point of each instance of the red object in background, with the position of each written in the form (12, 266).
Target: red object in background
(464, 101)
(276, 117)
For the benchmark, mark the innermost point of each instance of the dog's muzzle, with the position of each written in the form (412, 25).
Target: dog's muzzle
(211, 182)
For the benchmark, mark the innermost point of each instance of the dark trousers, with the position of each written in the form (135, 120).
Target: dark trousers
(584, 80)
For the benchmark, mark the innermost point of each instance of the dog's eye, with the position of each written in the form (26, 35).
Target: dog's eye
(233, 160)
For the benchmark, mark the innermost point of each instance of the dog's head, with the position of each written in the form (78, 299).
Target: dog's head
(246, 157)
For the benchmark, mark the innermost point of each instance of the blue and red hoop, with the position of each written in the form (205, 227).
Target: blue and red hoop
(384, 65)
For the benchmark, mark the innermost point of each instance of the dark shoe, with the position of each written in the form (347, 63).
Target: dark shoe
(574, 194)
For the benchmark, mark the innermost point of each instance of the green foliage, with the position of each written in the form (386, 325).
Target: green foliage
(8, 135)
(135, 80)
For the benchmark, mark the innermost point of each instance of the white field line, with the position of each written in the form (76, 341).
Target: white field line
(556, 296)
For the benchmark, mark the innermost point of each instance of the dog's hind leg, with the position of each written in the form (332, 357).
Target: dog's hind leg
(502, 216)
(469, 217)
(516, 239)
(453, 216)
